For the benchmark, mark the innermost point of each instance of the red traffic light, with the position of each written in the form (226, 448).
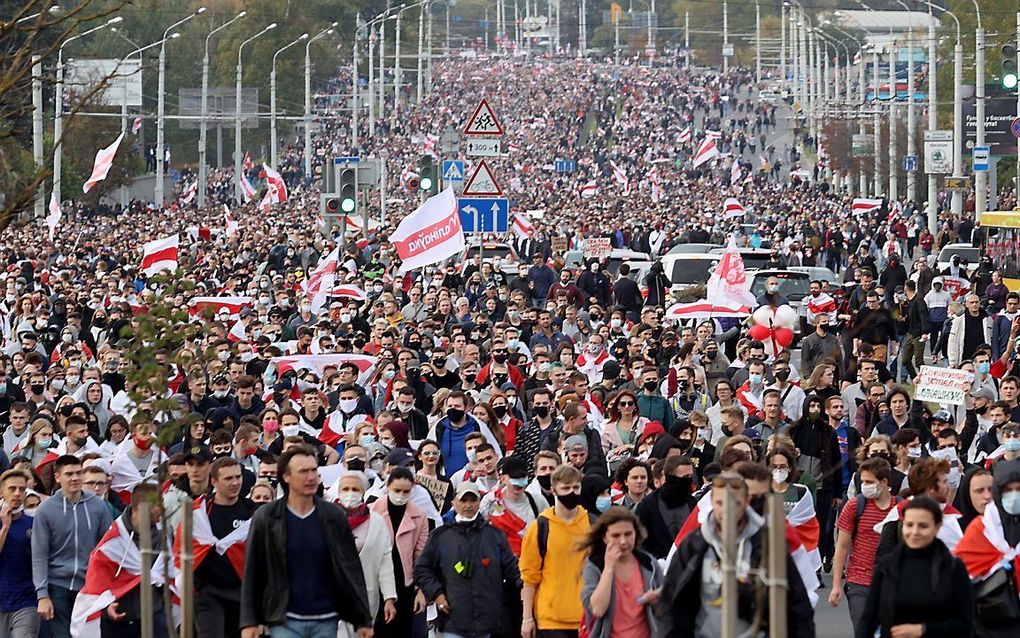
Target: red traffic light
(332, 205)
(412, 184)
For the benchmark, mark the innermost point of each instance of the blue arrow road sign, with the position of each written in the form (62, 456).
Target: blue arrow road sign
(484, 215)
(453, 170)
(910, 162)
(565, 166)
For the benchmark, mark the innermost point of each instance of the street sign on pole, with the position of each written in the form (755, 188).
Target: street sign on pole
(484, 147)
(484, 215)
(1015, 127)
(980, 158)
(566, 166)
(910, 162)
(453, 170)
(938, 152)
(483, 121)
(482, 183)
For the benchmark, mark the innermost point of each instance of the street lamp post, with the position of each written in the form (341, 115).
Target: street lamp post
(58, 106)
(933, 216)
(272, 99)
(980, 177)
(161, 106)
(308, 97)
(421, 47)
(237, 114)
(782, 43)
(203, 169)
(757, 42)
(726, 36)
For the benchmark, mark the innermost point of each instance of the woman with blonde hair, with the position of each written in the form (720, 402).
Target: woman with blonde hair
(822, 381)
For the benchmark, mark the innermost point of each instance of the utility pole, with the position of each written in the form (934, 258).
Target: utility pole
(37, 133)
(933, 215)
(354, 83)
(893, 116)
(757, 42)
(687, 38)
(725, 36)
(876, 121)
(911, 118)
(421, 48)
(782, 44)
(980, 177)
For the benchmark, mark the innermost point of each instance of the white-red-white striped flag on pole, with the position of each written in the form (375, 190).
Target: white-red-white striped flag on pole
(620, 177)
(160, 254)
(732, 208)
(653, 182)
(863, 205)
(190, 191)
(589, 190)
(247, 190)
(735, 172)
(136, 126)
(231, 227)
(277, 189)
(706, 152)
(103, 164)
(522, 226)
(685, 135)
(247, 164)
(53, 218)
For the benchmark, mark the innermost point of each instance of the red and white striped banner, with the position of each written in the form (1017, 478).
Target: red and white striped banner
(706, 152)
(160, 254)
(103, 164)
(589, 190)
(522, 226)
(232, 305)
(863, 205)
(732, 208)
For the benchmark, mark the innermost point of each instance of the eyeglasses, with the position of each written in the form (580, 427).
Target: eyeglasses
(96, 483)
(626, 404)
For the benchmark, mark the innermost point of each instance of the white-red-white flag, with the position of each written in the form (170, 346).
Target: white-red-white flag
(204, 541)
(621, 177)
(53, 218)
(685, 135)
(729, 282)
(321, 280)
(348, 291)
(276, 189)
(522, 226)
(189, 194)
(160, 254)
(247, 163)
(706, 152)
(237, 333)
(247, 190)
(735, 172)
(230, 225)
(732, 208)
(103, 164)
(233, 305)
(656, 186)
(862, 205)
(589, 190)
(430, 234)
(136, 126)
(114, 570)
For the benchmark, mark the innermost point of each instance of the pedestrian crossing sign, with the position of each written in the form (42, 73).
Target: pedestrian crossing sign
(453, 170)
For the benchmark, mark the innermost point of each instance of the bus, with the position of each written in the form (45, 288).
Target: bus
(1000, 239)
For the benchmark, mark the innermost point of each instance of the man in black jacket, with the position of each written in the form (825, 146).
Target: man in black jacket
(627, 294)
(685, 608)
(454, 569)
(664, 511)
(917, 329)
(301, 567)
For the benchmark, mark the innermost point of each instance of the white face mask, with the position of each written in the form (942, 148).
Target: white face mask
(780, 476)
(348, 405)
(350, 500)
(464, 519)
(399, 499)
(869, 490)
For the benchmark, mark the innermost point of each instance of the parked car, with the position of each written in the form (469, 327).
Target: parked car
(493, 251)
(753, 257)
(685, 249)
(818, 273)
(688, 270)
(965, 251)
(575, 260)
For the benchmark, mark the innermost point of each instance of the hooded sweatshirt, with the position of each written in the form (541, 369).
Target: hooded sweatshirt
(63, 535)
(557, 576)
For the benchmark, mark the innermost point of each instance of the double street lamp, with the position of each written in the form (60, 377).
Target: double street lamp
(237, 113)
(272, 99)
(308, 96)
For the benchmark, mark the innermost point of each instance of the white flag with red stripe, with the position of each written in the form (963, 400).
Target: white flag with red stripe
(247, 164)
(656, 186)
(735, 172)
(136, 126)
(804, 520)
(348, 291)
(53, 218)
(621, 177)
(430, 234)
(230, 225)
(114, 570)
(103, 164)
(204, 541)
(685, 135)
(189, 194)
(863, 205)
(522, 226)
(247, 190)
(276, 188)
(160, 254)
(984, 548)
(589, 189)
(321, 280)
(198, 305)
(706, 152)
(732, 208)
(319, 362)
(237, 333)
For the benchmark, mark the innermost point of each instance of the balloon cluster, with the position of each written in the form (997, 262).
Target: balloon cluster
(773, 328)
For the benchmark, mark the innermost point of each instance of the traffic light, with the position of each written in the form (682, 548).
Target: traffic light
(1008, 77)
(329, 205)
(428, 181)
(348, 190)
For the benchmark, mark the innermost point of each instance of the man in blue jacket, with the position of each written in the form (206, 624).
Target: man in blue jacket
(67, 527)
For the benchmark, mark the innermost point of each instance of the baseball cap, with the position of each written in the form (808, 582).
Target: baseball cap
(400, 457)
(576, 442)
(983, 392)
(198, 453)
(467, 487)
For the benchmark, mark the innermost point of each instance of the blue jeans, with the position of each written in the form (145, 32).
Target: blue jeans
(63, 602)
(305, 629)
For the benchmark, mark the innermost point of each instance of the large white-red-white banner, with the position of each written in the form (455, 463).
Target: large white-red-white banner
(430, 234)
(103, 164)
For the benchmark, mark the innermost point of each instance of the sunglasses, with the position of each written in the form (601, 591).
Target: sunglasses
(626, 404)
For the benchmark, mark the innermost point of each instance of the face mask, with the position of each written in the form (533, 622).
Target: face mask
(543, 367)
(983, 367)
(404, 408)
(142, 444)
(71, 382)
(305, 308)
(377, 465)
(499, 358)
(1011, 445)
(29, 511)
(651, 385)
(780, 476)
(38, 388)
(783, 375)
(350, 500)
(399, 499)
(348, 405)
(500, 411)
(615, 323)
(356, 465)
(545, 482)
(518, 482)
(755, 379)
(869, 491)
(882, 455)
(914, 452)
(455, 415)
(220, 394)
(603, 503)
(58, 384)
(44, 444)
(223, 356)
(1011, 503)
(773, 289)
(366, 439)
(541, 411)
(569, 501)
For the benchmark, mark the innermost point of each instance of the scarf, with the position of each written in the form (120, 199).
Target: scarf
(357, 516)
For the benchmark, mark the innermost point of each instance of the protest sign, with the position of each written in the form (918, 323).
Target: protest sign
(942, 385)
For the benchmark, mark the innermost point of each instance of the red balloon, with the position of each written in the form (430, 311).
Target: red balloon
(759, 332)
(784, 337)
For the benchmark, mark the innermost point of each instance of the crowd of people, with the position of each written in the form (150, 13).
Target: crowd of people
(509, 446)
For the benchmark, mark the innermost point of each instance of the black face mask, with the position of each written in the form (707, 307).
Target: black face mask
(757, 503)
(439, 363)
(545, 482)
(470, 378)
(882, 455)
(676, 489)
(541, 411)
(356, 465)
(711, 354)
(499, 379)
(783, 375)
(499, 358)
(455, 415)
(38, 388)
(569, 501)
(651, 385)
(500, 411)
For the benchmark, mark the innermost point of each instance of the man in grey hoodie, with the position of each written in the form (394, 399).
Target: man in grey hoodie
(67, 527)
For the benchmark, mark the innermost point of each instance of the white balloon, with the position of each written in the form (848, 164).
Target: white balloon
(762, 315)
(770, 349)
(786, 317)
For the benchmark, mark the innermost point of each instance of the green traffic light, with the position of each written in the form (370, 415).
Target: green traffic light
(347, 205)
(1009, 81)
(425, 184)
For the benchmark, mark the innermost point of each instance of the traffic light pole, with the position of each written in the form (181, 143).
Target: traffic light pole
(1017, 187)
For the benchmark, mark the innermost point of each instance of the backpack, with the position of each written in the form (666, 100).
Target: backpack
(860, 503)
(543, 532)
